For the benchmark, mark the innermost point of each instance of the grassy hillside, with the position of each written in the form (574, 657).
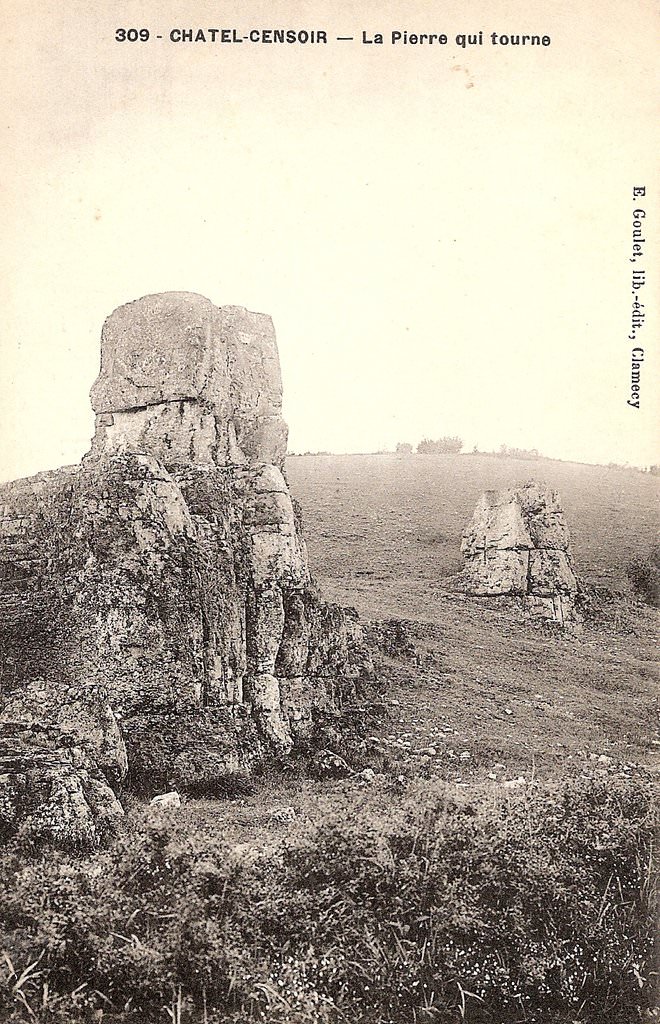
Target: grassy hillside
(485, 854)
(384, 534)
(401, 519)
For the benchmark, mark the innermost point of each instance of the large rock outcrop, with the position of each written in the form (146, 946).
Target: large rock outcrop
(168, 571)
(517, 543)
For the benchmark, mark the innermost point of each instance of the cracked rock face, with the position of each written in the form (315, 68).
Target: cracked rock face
(169, 572)
(518, 543)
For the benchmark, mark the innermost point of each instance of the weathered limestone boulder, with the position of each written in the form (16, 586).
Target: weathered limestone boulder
(169, 570)
(518, 543)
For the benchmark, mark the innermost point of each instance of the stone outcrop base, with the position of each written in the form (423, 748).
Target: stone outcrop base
(62, 761)
(177, 604)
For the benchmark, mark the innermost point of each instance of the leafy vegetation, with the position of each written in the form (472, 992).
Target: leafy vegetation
(531, 904)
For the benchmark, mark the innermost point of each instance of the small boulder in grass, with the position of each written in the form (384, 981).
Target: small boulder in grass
(283, 815)
(328, 765)
(166, 801)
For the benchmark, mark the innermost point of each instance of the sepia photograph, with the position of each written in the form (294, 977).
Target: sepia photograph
(329, 509)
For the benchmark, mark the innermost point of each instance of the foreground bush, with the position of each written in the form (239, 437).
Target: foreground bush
(531, 905)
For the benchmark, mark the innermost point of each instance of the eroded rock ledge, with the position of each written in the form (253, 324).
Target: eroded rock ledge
(168, 574)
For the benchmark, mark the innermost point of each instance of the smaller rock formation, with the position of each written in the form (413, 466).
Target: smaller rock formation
(517, 543)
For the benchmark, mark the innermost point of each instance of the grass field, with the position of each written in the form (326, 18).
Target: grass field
(496, 864)
(384, 534)
(389, 519)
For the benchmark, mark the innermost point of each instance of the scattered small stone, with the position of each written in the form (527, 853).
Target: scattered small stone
(367, 775)
(246, 851)
(166, 801)
(515, 783)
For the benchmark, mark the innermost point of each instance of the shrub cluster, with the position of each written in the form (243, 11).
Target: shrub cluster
(529, 905)
(442, 446)
(644, 576)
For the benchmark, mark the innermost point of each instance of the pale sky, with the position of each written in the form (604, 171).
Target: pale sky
(441, 235)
